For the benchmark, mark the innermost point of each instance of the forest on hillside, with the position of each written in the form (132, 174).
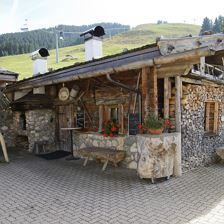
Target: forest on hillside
(27, 42)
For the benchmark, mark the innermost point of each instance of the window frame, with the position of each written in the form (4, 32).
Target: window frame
(105, 114)
(214, 130)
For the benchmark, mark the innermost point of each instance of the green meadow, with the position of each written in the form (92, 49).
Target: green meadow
(136, 37)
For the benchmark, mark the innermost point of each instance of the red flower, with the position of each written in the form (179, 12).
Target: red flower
(168, 123)
(113, 129)
(111, 135)
(103, 129)
(140, 126)
(104, 135)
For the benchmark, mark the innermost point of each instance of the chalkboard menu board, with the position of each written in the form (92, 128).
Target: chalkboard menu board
(133, 121)
(80, 120)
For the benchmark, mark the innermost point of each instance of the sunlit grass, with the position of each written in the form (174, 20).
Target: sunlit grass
(137, 37)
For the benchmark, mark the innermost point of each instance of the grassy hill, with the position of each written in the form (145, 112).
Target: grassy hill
(138, 36)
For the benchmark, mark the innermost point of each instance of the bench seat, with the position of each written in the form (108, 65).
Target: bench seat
(105, 155)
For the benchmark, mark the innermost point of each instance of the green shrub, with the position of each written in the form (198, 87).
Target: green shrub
(152, 121)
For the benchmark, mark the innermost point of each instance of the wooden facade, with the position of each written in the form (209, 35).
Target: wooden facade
(149, 79)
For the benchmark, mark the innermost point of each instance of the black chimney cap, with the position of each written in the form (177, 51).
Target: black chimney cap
(97, 31)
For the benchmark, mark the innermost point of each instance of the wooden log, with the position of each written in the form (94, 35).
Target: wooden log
(216, 112)
(172, 70)
(202, 65)
(177, 170)
(186, 55)
(145, 90)
(100, 117)
(153, 91)
(121, 118)
(178, 104)
(166, 98)
(4, 149)
(207, 112)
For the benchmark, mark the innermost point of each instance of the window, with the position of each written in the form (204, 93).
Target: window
(22, 121)
(114, 114)
(211, 117)
(111, 112)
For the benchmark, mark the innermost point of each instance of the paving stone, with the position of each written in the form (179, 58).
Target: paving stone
(33, 190)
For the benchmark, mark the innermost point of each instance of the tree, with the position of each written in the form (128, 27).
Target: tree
(217, 26)
(206, 25)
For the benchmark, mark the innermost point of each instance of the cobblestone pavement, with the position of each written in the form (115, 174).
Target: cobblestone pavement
(34, 190)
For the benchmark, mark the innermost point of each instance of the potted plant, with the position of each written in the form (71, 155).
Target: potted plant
(154, 124)
(110, 128)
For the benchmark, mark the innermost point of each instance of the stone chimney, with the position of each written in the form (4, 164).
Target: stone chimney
(39, 59)
(93, 43)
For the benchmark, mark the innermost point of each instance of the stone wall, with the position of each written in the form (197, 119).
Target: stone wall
(130, 144)
(197, 147)
(40, 127)
(127, 143)
(7, 127)
(159, 155)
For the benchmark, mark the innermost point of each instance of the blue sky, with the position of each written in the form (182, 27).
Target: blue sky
(46, 13)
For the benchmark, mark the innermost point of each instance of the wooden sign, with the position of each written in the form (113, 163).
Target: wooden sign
(80, 120)
(133, 121)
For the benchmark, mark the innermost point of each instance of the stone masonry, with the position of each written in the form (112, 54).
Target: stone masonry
(197, 147)
(40, 127)
(7, 127)
(121, 142)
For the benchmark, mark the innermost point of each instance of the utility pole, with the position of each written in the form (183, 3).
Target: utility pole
(57, 53)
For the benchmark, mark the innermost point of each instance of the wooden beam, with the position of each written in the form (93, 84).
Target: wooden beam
(202, 65)
(145, 90)
(153, 92)
(216, 117)
(166, 98)
(178, 104)
(100, 117)
(121, 107)
(8, 78)
(207, 116)
(181, 57)
(134, 60)
(191, 81)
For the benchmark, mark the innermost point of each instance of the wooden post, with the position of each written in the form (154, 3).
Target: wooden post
(177, 161)
(216, 117)
(121, 107)
(153, 92)
(178, 104)
(145, 90)
(100, 117)
(202, 65)
(166, 98)
(2, 141)
(207, 113)
(177, 169)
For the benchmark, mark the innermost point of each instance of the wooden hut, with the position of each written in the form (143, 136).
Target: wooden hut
(178, 79)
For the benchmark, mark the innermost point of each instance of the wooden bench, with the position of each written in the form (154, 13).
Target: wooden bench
(104, 155)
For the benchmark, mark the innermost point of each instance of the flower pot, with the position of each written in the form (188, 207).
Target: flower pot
(155, 131)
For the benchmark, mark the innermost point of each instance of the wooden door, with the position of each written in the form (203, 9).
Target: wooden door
(65, 119)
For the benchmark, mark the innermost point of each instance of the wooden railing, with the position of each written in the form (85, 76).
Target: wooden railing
(209, 70)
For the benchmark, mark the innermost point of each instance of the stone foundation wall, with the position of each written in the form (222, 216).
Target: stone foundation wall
(40, 127)
(197, 148)
(130, 144)
(7, 127)
(127, 143)
(160, 155)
